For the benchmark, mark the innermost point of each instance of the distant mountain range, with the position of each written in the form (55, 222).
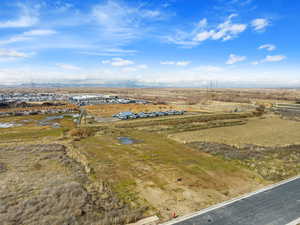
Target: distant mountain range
(136, 84)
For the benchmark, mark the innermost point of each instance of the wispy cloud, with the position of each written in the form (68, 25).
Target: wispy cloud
(28, 35)
(210, 69)
(121, 22)
(260, 24)
(224, 31)
(67, 66)
(27, 18)
(235, 58)
(183, 63)
(270, 58)
(39, 32)
(118, 62)
(111, 52)
(135, 68)
(269, 47)
(10, 55)
(274, 58)
(178, 63)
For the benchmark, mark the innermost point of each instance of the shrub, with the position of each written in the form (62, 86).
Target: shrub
(81, 132)
(260, 110)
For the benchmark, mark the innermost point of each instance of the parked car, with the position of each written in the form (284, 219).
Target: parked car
(142, 115)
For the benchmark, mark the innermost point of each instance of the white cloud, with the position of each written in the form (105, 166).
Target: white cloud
(204, 35)
(129, 69)
(235, 58)
(202, 23)
(39, 32)
(179, 63)
(111, 52)
(118, 62)
(167, 63)
(27, 18)
(228, 30)
(135, 68)
(270, 58)
(121, 22)
(15, 39)
(268, 47)
(12, 54)
(223, 31)
(27, 36)
(210, 69)
(260, 24)
(183, 63)
(152, 14)
(143, 66)
(67, 66)
(274, 58)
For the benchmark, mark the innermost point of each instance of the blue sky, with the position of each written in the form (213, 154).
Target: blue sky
(235, 43)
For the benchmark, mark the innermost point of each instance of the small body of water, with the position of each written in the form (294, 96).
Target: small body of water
(8, 125)
(47, 121)
(56, 125)
(126, 140)
(50, 118)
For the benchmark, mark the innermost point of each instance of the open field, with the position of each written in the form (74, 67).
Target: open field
(41, 184)
(29, 130)
(272, 163)
(39, 108)
(171, 164)
(188, 96)
(177, 121)
(107, 110)
(162, 174)
(266, 131)
(191, 95)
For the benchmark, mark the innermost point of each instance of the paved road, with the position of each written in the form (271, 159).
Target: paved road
(279, 205)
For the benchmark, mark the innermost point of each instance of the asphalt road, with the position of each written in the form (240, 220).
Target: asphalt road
(277, 206)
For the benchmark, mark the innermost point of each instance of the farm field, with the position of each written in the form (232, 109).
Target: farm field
(266, 131)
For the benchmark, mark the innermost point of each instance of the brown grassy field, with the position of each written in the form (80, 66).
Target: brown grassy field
(182, 95)
(38, 108)
(162, 174)
(178, 163)
(30, 132)
(110, 109)
(268, 131)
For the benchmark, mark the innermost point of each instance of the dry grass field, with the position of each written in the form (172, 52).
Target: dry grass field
(39, 108)
(41, 184)
(162, 174)
(175, 164)
(107, 110)
(29, 130)
(266, 131)
(189, 96)
(192, 96)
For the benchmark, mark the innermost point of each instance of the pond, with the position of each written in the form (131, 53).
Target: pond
(8, 125)
(126, 140)
(48, 121)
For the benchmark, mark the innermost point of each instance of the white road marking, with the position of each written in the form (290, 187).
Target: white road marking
(295, 222)
(192, 215)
